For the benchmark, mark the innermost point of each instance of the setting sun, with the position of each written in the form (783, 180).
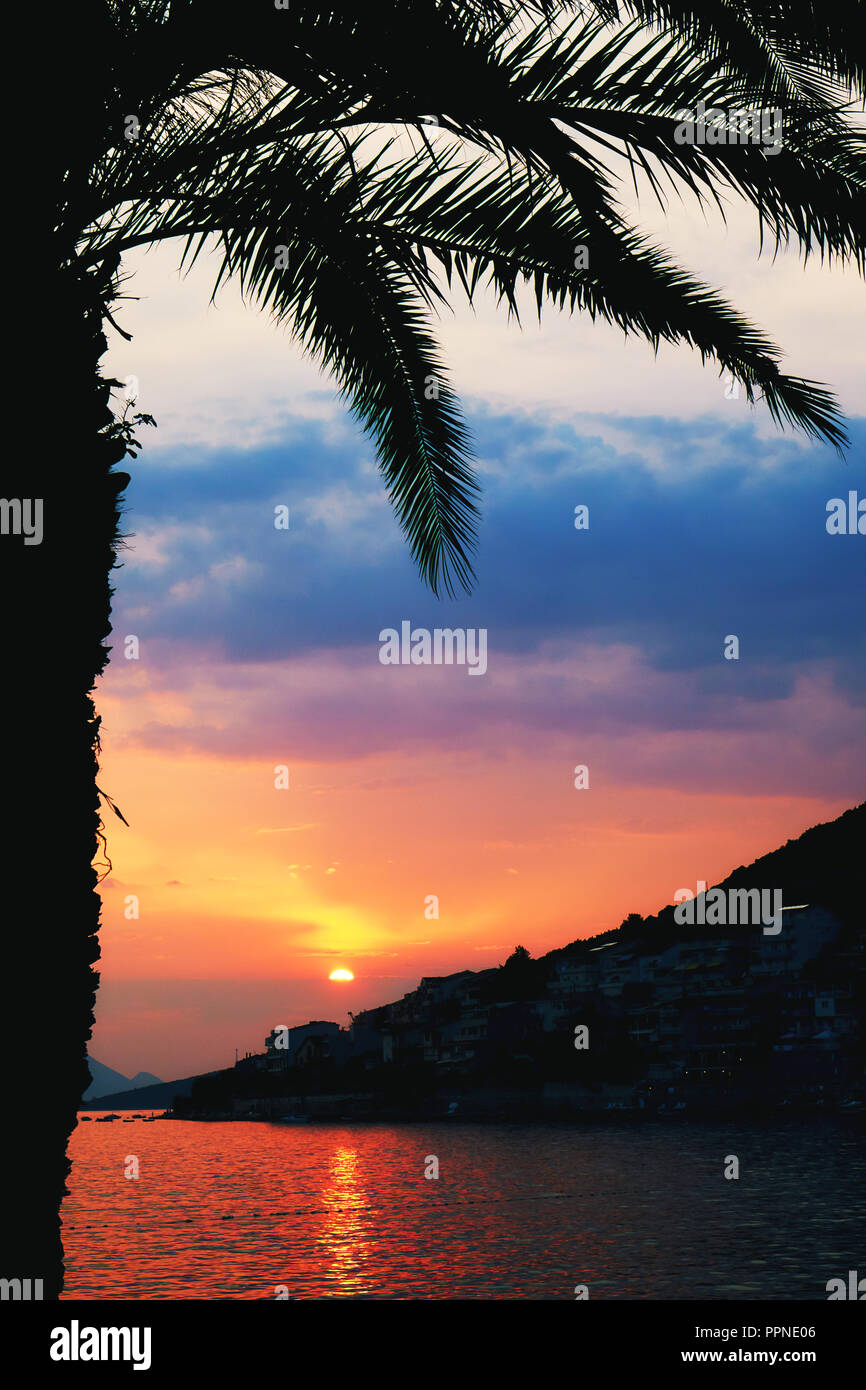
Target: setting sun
(341, 975)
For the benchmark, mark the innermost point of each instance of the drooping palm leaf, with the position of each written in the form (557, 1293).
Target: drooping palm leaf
(310, 128)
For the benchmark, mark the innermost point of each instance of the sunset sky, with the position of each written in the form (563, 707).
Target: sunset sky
(260, 647)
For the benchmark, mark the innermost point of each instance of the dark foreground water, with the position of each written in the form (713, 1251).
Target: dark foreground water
(633, 1210)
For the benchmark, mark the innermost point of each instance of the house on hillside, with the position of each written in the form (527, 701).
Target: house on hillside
(283, 1045)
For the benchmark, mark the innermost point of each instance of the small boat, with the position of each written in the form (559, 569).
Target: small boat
(106, 1119)
(148, 1119)
(82, 1119)
(127, 1120)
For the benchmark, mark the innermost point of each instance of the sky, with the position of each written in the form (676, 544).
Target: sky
(259, 648)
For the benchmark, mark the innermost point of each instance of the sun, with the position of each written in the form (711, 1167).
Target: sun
(341, 975)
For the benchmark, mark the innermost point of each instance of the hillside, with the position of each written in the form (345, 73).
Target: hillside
(822, 867)
(145, 1097)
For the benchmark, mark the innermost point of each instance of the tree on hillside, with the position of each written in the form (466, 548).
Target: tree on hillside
(519, 957)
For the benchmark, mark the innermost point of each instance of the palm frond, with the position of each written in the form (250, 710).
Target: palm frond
(262, 128)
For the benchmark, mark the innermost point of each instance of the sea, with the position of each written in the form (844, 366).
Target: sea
(632, 1208)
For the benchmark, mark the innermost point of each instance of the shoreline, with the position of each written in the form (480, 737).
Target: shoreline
(524, 1115)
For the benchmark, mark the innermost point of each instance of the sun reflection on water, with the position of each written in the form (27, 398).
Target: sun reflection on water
(344, 1237)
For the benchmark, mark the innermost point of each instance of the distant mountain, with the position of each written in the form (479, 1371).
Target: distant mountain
(145, 1078)
(106, 1080)
(147, 1096)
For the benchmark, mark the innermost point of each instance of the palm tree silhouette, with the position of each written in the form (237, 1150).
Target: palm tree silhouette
(352, 165)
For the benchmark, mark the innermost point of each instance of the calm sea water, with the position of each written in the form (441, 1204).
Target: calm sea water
(634, 1210)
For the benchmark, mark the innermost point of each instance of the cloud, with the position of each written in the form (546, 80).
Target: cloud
(264, 644)
(731, 531)
(288, 829)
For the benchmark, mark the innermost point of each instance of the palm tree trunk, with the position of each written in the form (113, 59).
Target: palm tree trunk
(56, 606)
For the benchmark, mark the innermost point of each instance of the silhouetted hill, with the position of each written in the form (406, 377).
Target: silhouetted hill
(822, 867)
(153, 1097)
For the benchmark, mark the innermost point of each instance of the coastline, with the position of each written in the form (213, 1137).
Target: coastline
(523, 1108)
